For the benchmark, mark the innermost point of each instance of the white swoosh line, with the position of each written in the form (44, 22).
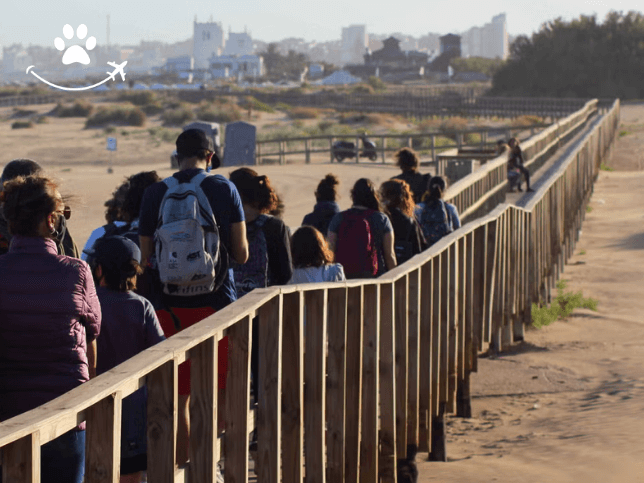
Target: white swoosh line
(67, 88)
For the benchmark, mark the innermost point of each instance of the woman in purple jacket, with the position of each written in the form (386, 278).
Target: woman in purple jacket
(49, 319)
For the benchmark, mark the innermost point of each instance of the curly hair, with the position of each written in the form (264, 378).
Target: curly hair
(407, 159)
(328, 188)
(364, 194)
(114, 205)
(255, 190)
(137, 184)
(309, 248)
(27, 201)
(397, 194)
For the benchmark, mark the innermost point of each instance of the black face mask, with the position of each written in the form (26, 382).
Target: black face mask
(61, 230)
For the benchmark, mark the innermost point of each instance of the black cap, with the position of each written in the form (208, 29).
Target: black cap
(114, 251)
(192, 141)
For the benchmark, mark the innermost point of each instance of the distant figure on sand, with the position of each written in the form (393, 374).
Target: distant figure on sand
(326, 207)
(407, 160)
(516, 162)
(399, 203)
(215, 209)
(64, 240)
(362, 237)
(129, 326)
(49, 319)
(312, 259)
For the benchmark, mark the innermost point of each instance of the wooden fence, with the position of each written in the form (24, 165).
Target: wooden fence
(350, 372)
(430, 143)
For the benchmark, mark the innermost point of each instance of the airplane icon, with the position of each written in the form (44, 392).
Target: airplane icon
(118, 69)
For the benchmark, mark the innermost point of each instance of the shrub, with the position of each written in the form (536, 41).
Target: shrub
(376, 83)
(152, 109)
(164, 134)
(125, 116)
(22, 125)
(562, 307)
(23, 112)
(257, 105)
(527, 120)
(282, 106)
(325, 125)
(363, 89)
(42, 120)
(303, 113)
(178, 116)
(605, 167)
(216, 113)
(452, 124)
(138, 98)
(80, 108)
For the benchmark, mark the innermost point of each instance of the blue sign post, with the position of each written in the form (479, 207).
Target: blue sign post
(111, 147)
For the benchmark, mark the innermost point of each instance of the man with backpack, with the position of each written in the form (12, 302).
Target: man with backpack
(189, 225)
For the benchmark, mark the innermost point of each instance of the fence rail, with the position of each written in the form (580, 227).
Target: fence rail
(376, 365)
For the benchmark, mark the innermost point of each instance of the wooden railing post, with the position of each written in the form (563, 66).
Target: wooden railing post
(269, 410)
(426, 362)
(21, 460)
(162, 422)
(388, 450)
(401, 331)
(103, 441)
(293, 389)
(315, 308)
(354, 384)
(336, 383)
(413, 356)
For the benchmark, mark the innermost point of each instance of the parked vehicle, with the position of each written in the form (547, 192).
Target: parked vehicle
(347, 150)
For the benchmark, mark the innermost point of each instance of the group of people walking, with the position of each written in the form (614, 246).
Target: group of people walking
(173, 252)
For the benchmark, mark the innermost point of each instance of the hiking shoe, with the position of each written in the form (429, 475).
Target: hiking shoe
(530, 190)
(519, 189)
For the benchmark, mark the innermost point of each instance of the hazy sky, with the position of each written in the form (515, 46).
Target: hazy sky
(41, 21)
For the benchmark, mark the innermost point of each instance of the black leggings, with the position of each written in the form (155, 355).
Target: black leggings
(526, 175)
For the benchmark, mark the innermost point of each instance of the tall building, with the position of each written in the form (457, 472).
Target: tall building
(239, 44)
(354, 44)
(490, 41)
(208, 41)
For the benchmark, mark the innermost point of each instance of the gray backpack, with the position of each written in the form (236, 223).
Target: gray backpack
(187, 239)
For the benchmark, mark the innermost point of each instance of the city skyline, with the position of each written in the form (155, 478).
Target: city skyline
(39, 22)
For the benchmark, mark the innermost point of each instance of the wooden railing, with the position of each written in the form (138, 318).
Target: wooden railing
(431, 143)
(351, 371)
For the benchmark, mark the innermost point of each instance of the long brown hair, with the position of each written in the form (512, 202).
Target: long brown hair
(364, 194)
(27, 201)
(328, 188)
(398, 195)
(309, 248)
(255, 190)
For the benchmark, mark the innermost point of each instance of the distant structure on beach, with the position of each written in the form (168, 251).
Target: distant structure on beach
(208, 40)
(354, 44)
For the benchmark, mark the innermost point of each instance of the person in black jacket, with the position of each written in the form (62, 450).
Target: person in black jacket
(326, 207)
(516, 161)
(397, 198)
(407, 160)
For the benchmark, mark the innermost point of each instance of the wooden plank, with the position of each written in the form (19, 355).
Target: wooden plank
(238, 401)
(426, 389)
(452, 327)
(354, 384)
(293, 389)
(370, 386)
(314, 375)
(269, 408)
(479, 289)
(505, 325)
(461, 324)
(436, 332)
(402, 364)
(203, 410)
(103, 441)
(490, 277)
(413, 358)
(444, 373)
(388, 451)
(520, 276)
(162, 422)
(21, 460)
(335, 383)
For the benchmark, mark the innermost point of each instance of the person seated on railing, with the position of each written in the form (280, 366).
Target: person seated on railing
(399, 203)
(437, 218)
(362, 237)
(129, 325)
(312, 259)
(407, 160)
(64, 240)
(501, 147)
(50, 317)
(326, 206)
(516, 162)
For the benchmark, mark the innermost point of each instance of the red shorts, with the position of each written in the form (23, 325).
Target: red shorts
(189, 317)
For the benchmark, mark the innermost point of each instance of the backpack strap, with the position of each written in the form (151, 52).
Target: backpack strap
(171, 182)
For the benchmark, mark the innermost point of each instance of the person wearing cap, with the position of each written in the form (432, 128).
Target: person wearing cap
(28, 167)
(129, 326)
(195, 154)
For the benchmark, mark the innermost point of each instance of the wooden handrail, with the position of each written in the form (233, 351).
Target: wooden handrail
(471, 290)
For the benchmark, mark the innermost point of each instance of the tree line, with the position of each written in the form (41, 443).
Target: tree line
(580, 58)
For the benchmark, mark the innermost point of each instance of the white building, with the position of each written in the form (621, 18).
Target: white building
(241, 67)
(15, 59)
(208, 40)
(490, 41)
(239, 44)
(354, 44)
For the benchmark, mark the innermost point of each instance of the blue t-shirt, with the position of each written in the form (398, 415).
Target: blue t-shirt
(227, 208)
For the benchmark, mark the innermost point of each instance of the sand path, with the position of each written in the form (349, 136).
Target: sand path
(566, 405)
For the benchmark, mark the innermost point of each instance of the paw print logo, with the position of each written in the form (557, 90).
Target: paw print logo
(75, 53)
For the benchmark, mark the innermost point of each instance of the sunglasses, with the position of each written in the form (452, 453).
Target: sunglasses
(67, 212)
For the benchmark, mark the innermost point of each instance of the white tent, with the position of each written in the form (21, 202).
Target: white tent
(339, 77)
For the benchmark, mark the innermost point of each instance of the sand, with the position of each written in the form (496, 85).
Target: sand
(566, 405)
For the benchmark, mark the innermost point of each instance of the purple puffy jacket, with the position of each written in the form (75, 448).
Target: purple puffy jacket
(48, 308)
